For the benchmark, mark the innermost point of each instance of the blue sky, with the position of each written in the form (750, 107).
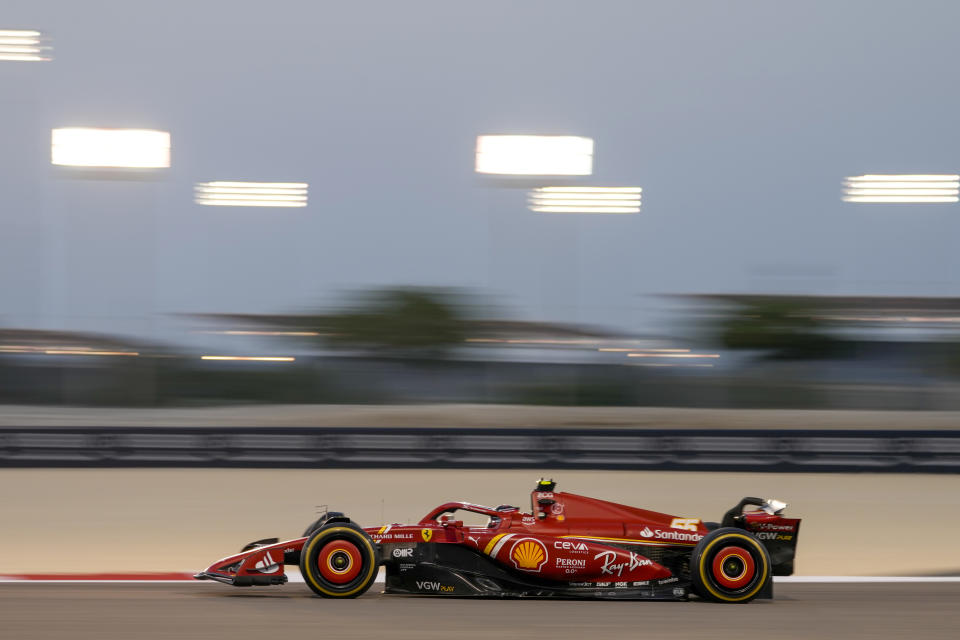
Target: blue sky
(739, 120)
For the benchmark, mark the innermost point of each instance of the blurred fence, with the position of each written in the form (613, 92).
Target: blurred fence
(173, 382)
(542, 448)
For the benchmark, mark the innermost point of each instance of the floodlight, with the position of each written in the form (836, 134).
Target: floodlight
(907, 188)
(110, 148)
(251, 194)
(23, 46)
(534, 155)
(585, 199)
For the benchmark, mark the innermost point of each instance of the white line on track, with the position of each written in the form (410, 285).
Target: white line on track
(294, 577)
(862, 579)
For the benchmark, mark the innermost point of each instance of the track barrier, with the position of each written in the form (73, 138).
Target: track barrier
(518, 448)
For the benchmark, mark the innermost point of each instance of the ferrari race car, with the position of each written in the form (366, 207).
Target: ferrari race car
(567, 546)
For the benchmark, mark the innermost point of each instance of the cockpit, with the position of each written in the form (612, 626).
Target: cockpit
(465, 514)
(460, 514)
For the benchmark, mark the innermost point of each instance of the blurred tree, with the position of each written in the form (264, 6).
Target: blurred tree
(948, 361)
(419, 322)
(785, 330)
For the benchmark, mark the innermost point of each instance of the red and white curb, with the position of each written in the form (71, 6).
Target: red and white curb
(294, 577)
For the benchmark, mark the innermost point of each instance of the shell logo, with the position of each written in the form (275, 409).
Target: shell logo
(529, 555)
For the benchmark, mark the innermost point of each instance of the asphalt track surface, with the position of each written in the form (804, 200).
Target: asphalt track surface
(202, 610)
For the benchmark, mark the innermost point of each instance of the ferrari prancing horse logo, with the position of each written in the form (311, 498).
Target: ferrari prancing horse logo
(426, 534)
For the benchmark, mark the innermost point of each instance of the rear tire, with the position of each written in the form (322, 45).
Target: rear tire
(729, 565)
(339, 561)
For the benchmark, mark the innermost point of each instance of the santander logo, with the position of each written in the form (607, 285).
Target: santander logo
(678, 536)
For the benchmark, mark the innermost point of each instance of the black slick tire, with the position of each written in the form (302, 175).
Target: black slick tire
(339, 561)
(729, 565)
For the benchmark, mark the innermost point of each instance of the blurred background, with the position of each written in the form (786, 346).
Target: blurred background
(633, 204)
(298, 212)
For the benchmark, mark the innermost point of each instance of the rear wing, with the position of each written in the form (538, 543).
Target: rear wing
(767, 523)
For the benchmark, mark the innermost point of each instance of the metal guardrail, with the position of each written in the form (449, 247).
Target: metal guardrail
(543, 448)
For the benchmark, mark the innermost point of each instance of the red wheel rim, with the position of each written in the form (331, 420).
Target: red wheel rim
(733, 567)
(339, 561)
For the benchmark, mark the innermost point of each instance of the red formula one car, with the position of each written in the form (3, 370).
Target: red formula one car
(567, 546)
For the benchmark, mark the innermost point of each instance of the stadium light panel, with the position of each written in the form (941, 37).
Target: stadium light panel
(534, 155)
(585, 199)
(110, 148)
(902, 189)
(251, 194)
(23, 46)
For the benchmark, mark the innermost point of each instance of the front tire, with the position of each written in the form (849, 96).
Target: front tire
(729, 565)
(339, 561)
